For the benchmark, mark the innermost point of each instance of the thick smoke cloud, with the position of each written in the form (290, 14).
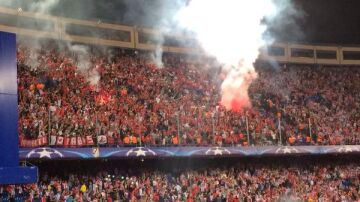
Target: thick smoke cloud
(234, 31)
(231, 31)
(284, 25)
(163, 16)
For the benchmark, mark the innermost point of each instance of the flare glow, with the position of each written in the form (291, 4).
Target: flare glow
(230, 30)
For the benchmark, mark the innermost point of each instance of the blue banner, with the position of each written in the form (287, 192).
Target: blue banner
(139, 152)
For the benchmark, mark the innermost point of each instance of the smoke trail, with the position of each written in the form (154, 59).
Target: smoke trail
(284, 24)
(43, 7)
(231, 30)
(82, 54)
(38, 7)
(156, 56)
(83, 63)
(157, 15)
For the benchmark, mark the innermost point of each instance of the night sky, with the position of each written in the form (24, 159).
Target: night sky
(330, 21)
(315, 21)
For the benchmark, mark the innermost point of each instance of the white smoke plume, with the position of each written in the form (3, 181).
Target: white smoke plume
(157, 15)
(84, 63)
(80, 52)
(37, 7)
(43, 7)
(33, 61)
(230, 30)
(156, 56)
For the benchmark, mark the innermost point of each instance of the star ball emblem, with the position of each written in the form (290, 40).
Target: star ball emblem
(140, 151)
(95, 152)
(348, 148)
(217, 151)
(44, 152)
(286, 150)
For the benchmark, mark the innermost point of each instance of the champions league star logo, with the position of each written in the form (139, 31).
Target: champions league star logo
(95, 152)
(286, 150)
(348, 148)
(217, 151)
(140, 151)
(44, 152)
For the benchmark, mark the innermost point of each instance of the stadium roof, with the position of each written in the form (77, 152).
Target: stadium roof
(315, 21)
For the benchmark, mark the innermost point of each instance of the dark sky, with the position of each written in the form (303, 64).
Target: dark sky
(315, 21)
(330, 21)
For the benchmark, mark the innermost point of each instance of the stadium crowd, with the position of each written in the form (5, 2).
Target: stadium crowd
(238, 183)
(125, 99)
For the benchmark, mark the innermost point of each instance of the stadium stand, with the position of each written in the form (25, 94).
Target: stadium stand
(203, 181)
(163, 133)
(137, 103)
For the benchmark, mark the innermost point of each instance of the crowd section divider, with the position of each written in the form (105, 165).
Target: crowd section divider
(56, 153)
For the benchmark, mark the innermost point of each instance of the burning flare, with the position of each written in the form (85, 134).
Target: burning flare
(230, 30)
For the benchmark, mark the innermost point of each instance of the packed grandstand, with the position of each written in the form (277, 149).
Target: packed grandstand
(136, 103)
(106, 117)
(272, 179)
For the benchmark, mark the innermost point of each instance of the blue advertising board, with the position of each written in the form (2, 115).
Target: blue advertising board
(155, 152)
(10, 171)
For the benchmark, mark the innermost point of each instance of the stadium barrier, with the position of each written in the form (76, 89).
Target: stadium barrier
(99, 33)
(44, 153)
